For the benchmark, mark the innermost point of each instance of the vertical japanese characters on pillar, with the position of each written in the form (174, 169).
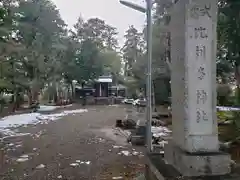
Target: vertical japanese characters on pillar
(199, 57)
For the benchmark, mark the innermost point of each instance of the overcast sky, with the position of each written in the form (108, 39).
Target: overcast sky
(111, 11)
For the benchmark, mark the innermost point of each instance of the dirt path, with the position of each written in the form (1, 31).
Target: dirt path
(80, 146)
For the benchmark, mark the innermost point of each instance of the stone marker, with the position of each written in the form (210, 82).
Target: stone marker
(194, 149)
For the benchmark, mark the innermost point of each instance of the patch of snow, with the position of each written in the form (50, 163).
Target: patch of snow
(50, 117)
(232, 162)
(23, 158)
(135, 153)
(43, 108)
(33, 118)
(59, 177)
(37, 135)
(11, 149)
(119, 177)
(19, 120)
(160, 131)
(114, 105)
(15, 121)
(25, 106)
(19, 145)
(127, 133)
(69, 105)
(75, 111)
(224, 108)
(11, 144)
(117, 147)
(56, 116)
(227, 122)
(41, 166)
(87, 162)
(160, 134)
(9, 134)
(126, 153)
(74, 164)
(162, 143)
(83, 162)
(101, 140)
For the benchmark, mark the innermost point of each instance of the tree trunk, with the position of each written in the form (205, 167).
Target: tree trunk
(55, 97)
(1, 101)
(35, 96)
(237, 75)
(84, 95)
(48, 91)
(73, 90)
(14, 101)
(30, 100)
(58, 101)
(168, 51)
(68, 93)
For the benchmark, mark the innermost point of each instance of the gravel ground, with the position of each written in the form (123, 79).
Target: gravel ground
(81, 146)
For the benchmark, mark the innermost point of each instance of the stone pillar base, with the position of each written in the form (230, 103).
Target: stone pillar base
(197, 164)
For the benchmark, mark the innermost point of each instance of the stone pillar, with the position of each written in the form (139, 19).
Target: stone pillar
(194, 149)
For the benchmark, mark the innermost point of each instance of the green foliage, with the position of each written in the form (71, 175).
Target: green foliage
(229, 45)
(133, 49)
(229, 39)
(87, 61)
(90, 51)
(112, 65)
(5, 85)
(223, 116)
(224, 94)
(37, 50)
(135, 57)
(162, 91)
